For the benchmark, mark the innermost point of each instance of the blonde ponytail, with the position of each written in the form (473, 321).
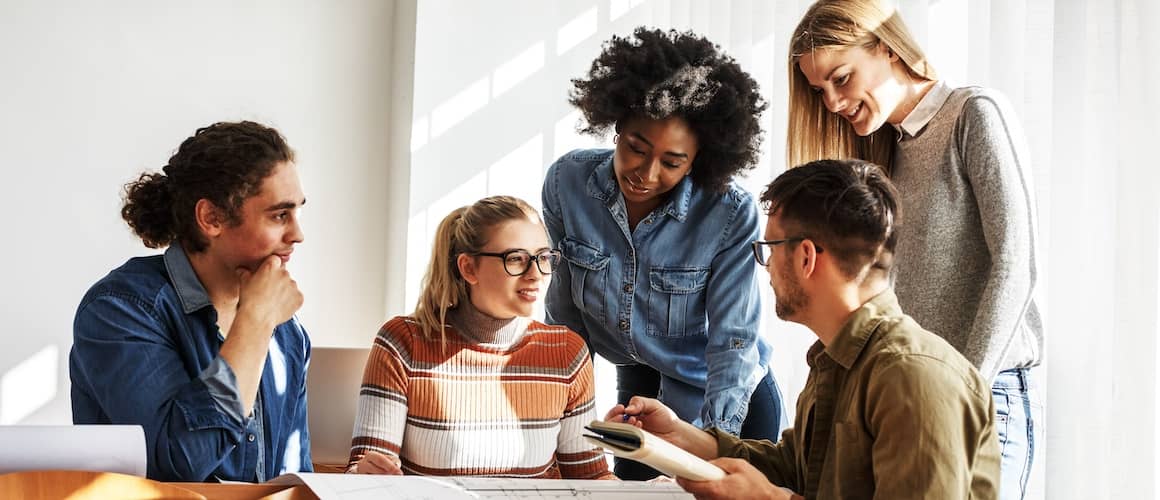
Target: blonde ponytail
(442, 287)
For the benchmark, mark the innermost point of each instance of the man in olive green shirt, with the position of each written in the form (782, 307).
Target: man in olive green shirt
(889, 410)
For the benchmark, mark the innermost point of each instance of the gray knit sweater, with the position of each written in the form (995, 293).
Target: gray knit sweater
(966, 265)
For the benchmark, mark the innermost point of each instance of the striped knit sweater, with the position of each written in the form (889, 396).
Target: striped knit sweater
(504, 398)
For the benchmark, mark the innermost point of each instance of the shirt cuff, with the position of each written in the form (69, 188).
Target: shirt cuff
(222, 384)
(726, 426)
(727, 443)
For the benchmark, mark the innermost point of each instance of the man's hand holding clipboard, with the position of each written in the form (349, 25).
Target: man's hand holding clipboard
(632, 442)
(648, 431)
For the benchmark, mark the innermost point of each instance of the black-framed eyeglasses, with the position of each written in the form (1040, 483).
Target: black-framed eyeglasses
(517, 262)
(759, 251)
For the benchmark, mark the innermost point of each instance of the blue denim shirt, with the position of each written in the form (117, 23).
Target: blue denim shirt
(679, 294)
(145, 352)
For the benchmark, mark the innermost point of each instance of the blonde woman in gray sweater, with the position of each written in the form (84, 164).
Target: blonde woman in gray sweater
(966, 266)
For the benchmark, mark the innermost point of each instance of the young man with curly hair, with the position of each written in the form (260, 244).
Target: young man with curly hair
(200, 345)
(655, 234)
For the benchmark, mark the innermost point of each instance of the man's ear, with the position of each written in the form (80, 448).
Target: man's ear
(809, 258)
(466, 265)
(209, 217)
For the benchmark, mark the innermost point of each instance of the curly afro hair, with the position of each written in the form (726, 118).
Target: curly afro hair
(660, 74)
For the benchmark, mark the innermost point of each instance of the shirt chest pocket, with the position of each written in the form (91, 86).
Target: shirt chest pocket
(676, 301)
(851, 459)
(588, 267)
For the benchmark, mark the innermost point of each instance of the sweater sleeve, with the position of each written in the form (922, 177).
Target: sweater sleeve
(382, 401)
(993, 151)
(577, 458)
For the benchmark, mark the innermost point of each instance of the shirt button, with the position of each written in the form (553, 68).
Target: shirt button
(628, 288)
(624, 324)
(250, 438)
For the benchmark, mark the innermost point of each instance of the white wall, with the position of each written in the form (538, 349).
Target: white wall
(91, 93)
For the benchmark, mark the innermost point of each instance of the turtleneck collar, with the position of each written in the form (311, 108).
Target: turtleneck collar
(478, 327)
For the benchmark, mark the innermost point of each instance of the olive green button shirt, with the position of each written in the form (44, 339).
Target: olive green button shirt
(889, 411)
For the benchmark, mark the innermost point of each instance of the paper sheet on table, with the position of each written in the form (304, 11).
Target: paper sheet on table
(101, 448)
(360, 487)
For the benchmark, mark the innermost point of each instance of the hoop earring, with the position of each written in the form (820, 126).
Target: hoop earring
(615, 138)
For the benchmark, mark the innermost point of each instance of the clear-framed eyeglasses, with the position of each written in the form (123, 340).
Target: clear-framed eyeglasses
(517, 262)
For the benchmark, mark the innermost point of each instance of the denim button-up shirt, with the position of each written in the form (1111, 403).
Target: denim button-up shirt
(679, 294)
(145, 352)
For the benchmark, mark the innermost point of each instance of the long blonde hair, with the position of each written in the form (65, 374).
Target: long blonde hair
(814, 132)
(464, 230)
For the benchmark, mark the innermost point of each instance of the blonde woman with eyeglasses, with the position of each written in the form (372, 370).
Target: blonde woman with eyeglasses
(469, 385)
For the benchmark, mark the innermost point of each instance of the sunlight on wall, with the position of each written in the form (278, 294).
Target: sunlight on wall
(418, 252)
(617, 8)
(459, 107)
(565, 137)
(422, 226)
(477, 95)
(518, 69)
(512, 176)
(576, 31)
(419, 129)
(28, 386)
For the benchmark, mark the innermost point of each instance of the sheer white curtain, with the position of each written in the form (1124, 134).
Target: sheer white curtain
(1082, 75)
(1102, 242)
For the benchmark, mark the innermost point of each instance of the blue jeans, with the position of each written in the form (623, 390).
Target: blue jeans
(765, 420)
(1018, 416)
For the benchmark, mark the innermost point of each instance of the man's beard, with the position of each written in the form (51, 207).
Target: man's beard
(792, 298)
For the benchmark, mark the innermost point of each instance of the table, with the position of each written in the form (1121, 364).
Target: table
(56, 484)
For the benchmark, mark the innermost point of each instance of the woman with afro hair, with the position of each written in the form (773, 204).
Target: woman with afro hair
(659, 277)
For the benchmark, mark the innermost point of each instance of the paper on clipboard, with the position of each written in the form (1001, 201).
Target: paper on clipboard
(634, 443)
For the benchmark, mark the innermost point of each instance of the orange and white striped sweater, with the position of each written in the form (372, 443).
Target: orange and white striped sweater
(504, 398)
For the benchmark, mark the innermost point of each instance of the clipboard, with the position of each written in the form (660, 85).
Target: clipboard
(634, 443)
